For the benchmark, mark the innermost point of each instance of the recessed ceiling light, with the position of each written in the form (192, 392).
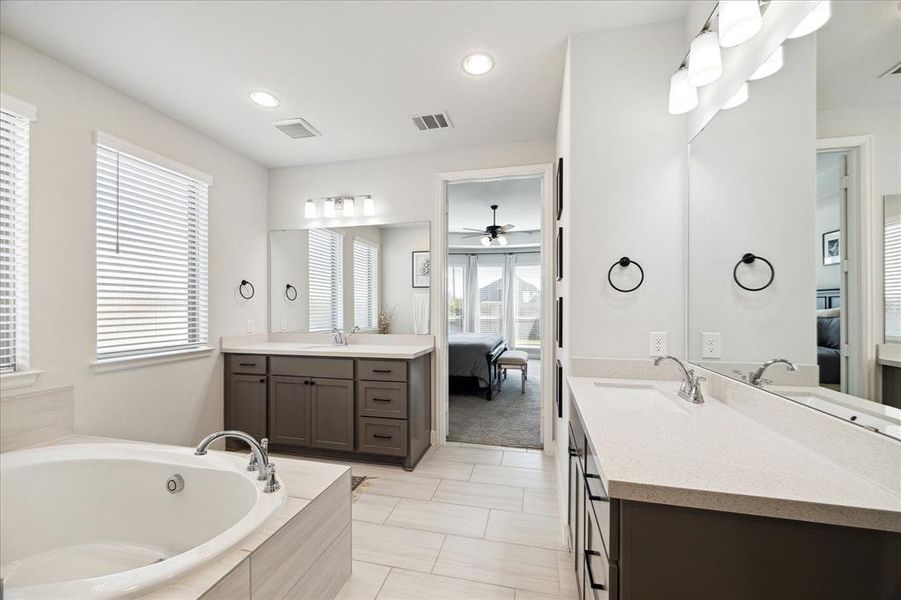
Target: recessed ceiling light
(478, 63)
(264, 98)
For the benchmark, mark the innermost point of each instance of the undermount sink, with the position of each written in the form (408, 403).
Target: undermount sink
(639, 397)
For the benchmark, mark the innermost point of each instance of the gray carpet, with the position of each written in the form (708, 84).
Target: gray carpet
(510, 419)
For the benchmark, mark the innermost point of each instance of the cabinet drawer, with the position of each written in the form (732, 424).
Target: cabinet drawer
(382, 436)
(250, 364)
(602, 508)
(600, 579)
(305, 366)
(382, 370)
(382, 399)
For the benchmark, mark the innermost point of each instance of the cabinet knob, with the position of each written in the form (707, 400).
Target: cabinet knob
(262, 380)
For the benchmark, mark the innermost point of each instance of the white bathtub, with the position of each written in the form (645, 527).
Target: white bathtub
(97, 521)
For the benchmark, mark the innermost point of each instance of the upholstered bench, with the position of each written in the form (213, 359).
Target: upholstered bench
(514, 359)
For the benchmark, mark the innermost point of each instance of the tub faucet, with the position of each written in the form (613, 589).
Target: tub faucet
(260, 455)
(691, 385)
(756, 377)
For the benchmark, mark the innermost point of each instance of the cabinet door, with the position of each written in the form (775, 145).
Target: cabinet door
(332, 413)
(246, 406)
(289, 411)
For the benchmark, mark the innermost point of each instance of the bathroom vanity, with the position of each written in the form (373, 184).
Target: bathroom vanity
(365, 401)
(668, 499)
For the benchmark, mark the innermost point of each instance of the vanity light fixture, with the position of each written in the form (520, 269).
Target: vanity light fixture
(309, 209)
(328, 209)
(368, 205)
(739, 98)
(813, 21)
(350, 207)
(682, 97)
(739, 21)
(478, 63)
(264, 99)
(705, 63)
(769, 66)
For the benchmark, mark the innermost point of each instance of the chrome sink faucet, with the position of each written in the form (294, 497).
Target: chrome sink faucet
(259, 459)
(756, 377)
(690, 389)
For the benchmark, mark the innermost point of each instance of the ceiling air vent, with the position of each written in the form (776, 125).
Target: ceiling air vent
(436, 121)
(297, 129)
(896, 70)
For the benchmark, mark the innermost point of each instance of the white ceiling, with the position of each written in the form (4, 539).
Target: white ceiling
(518, 200)
(859, 43)
(356, 71)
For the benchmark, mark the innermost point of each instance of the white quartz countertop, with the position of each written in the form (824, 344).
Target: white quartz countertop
(365, 350)
(713, 457)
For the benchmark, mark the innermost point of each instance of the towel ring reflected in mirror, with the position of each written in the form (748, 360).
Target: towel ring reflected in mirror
(747, 259)
(245, 283)
(288, 292)
(625, 262)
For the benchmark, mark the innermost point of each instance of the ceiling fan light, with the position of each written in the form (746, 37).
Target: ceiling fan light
(682, 97)
(502, 240)
(739, 21)
(771, 65)
(813, 21)
(705, 62)
(486, 241)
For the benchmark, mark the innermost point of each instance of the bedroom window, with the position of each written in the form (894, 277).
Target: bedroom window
(326, 280)
(455, 295)
(491, 298)
(527, 303)
(14, 132)
(151, 253)
(366, 284)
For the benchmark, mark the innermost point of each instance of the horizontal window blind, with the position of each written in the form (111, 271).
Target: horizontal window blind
(152, 266)
(455, 297)
(326, 280)
(893, 278)
(366, 284)
(14, 130)
(527, 304)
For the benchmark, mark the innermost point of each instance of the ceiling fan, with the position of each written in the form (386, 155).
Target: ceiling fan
(492, 232)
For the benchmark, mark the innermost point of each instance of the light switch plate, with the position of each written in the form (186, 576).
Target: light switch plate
(284, 324)
(250, 326)
(712, 345)
(658, 343)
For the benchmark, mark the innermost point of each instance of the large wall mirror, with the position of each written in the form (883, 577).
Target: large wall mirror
(794, 232)
(373, 279)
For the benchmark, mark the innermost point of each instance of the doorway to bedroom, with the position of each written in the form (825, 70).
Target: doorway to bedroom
(495, 299)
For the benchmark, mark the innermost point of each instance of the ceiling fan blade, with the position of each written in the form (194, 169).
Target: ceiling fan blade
(471, 229)
(474, 235)
(507, 227)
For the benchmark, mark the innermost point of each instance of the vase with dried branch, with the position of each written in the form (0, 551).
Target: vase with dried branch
(385, 316)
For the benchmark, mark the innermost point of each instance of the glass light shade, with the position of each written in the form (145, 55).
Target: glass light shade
(739, 20)
(739, 98)
(705, 63)
(328, 209)
(814, 20)
(368, 206)
(502, 240)
(769, 66)
(309, 209)
(486, 241)
(350, 207)
(682, 97)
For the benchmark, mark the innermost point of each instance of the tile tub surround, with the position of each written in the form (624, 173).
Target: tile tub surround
(715, 456)
(31, 418)
(433, 536)
(303, 551)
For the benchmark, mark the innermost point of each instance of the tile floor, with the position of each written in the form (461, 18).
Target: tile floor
(471, 522)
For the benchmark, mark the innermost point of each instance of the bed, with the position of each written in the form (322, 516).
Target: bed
(475, 355)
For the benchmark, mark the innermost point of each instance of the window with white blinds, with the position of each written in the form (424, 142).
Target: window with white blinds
(152, 292)
(366, 284)
(326, 280)
(14, 129)
(892, 271)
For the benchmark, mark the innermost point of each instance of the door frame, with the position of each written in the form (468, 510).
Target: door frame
(862, 275)
(439, 284)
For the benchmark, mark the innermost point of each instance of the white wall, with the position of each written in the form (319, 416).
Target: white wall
(398, 245)
(828, 216)
(752, 190)
(627, 189)
(176, 402)
(289, 257)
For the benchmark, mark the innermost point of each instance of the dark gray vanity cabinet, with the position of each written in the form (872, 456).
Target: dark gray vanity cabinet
(629, 550)
(371, 409)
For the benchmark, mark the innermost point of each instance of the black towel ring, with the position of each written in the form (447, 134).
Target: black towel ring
(246, 283)
(625, 262)
(288, 289)
(747, 259)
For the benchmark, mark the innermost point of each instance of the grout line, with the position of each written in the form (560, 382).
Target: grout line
(388, 574)
(438, 555)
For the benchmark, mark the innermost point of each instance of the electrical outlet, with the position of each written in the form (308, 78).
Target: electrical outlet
(284, 324)
(658, 343)
(712, 345)
(250, 326)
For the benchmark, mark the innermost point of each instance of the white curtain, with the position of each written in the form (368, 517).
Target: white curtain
(471, 289)
(509, 327)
